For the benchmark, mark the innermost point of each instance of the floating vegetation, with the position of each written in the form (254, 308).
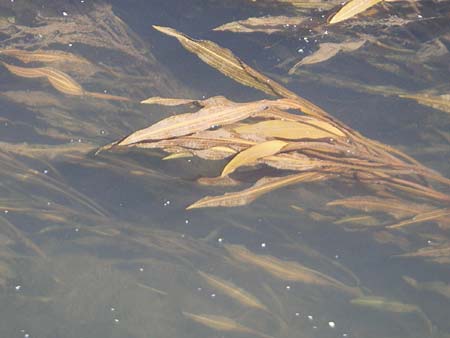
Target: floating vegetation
(268, 24)
(64, 222)
(264, 132)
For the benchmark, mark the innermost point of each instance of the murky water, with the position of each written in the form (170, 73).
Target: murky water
(100, 245)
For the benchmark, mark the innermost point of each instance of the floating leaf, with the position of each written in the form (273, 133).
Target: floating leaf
(167, 101)
(266, 24)
(224, 61)
(215, 153)
(290, 130)
(177, 155)
(226, 181)
(261, 187)
(209, 116)
(326, 51)
(352, 8)
(252, 154)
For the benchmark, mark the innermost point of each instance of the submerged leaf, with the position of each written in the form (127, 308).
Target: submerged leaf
(288, 270)
(261, 187)
(440, 102)
(44, 56)
(326, 51)
(59, 80)
(221, 323)
(252, 154)
(233, 291)
(431, 215)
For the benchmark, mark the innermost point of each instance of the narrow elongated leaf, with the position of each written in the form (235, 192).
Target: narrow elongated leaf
(167, 101)
(288, 270)
(60, 81)
(286, 129)
(252, 154)
(326, 51)
(266, 24)
(222, 323)
(44, 56)
(205, 118)
(431, 215)
(261, 187)
(224, 61)
(352, 8)
(233, 291)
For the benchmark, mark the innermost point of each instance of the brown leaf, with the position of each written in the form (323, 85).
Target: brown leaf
(44, 56)
(261, 187)
(224, 61)
(209, 116)
(326, 51)
(167, 101)
(266, 24)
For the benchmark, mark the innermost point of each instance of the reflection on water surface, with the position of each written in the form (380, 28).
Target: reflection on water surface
(100, 243)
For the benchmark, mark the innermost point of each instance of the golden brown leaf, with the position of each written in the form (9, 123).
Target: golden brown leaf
(211, 115)
(352, 8)
(252, 154)
(44, 56)
(261, 187)
(266, 24)
(291, 130)
(224, 61)
(167, 101)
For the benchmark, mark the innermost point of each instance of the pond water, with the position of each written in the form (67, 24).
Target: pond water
(100, 244)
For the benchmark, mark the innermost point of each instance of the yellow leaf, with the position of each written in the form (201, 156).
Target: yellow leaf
(352, 8)
(252, 154)
(290, 130)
